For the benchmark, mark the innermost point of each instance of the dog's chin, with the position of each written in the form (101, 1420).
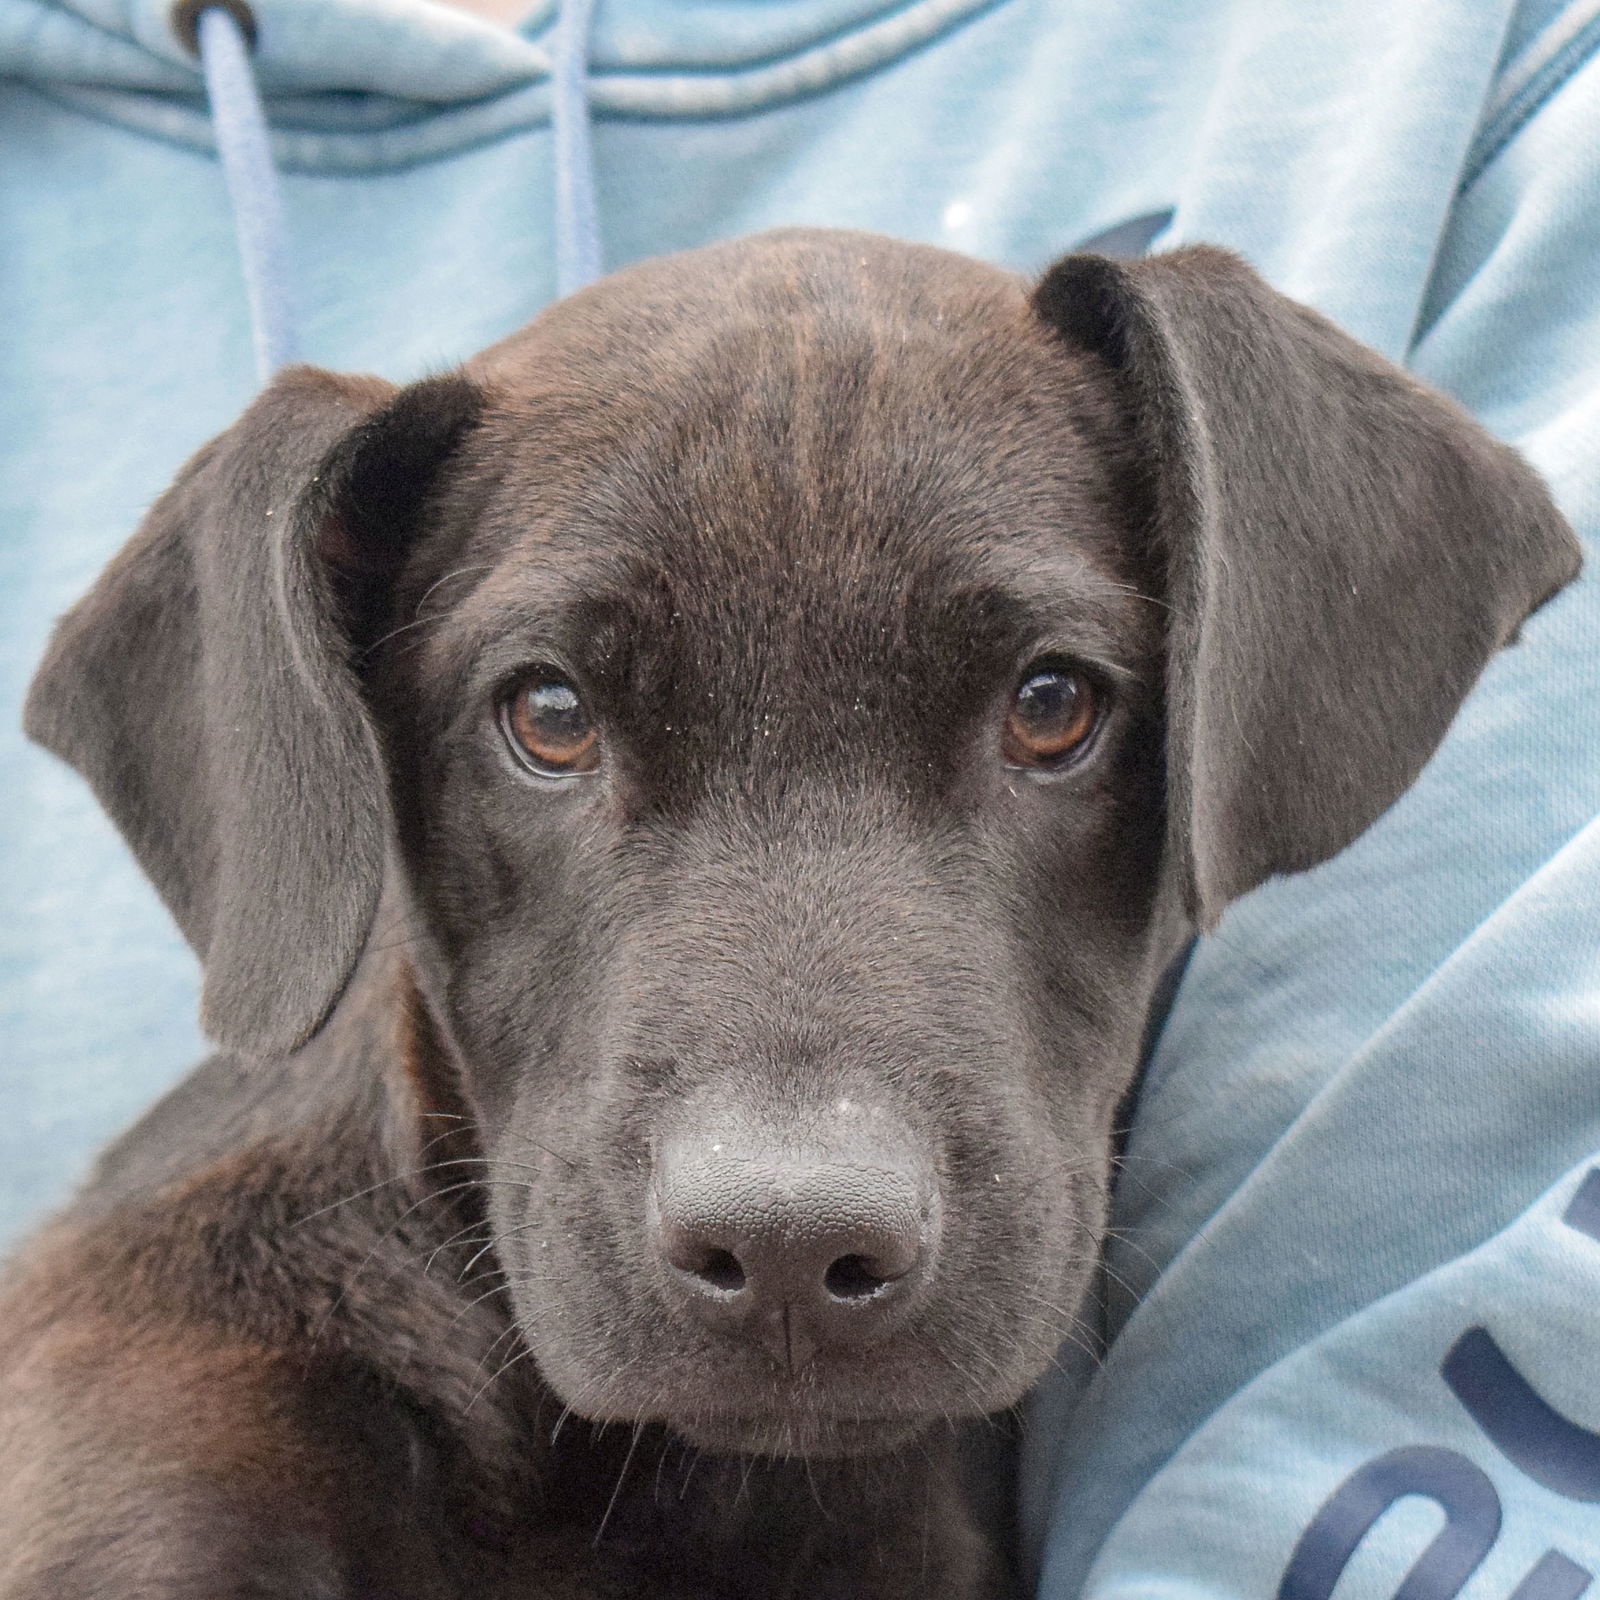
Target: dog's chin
(757, 1419)
(792, 1434)
(750, 1410)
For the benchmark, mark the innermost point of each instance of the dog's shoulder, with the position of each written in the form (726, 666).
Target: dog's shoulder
(297, 1122)
(253, 1300)
(281, 1203)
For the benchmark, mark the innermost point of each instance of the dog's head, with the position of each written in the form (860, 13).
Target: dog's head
(805, 689)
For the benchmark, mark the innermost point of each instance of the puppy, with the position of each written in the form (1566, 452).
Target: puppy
(682, 819)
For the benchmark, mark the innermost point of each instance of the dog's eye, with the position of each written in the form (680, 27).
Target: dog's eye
(1053, 715)
(547, 728)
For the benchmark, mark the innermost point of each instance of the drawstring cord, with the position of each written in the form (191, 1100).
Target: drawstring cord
(577, 225)
(245, 149)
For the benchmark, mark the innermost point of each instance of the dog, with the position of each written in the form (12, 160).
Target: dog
(682, 819)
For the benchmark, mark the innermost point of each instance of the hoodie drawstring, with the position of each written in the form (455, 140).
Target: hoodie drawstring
(244, 147)
(577, 225)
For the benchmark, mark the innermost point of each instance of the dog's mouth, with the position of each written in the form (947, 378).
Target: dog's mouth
(814, 1413)
(737, 1412)
(796, 1433)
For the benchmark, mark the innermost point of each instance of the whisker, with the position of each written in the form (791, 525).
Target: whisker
(555, 1432)
(497, 1374)
(420, 621)
(627, 1461)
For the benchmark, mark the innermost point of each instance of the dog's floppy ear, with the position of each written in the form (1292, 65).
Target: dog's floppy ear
(1343, 550)
(205, 689)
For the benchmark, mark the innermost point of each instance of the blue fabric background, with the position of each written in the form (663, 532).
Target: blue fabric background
(1373, 1073)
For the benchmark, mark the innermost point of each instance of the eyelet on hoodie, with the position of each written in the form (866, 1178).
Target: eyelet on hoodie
(185, 20)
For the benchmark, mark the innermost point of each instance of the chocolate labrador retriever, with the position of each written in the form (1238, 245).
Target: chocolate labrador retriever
(682, 819)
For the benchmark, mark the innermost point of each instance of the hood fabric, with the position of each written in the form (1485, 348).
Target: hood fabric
(244, 147)
(434, 80)
(1372, 1073)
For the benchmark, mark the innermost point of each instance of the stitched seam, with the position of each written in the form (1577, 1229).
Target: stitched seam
(1526, 103)
(670, 96)
(907, 16)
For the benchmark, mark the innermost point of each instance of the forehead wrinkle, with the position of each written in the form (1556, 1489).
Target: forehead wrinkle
(1073, 600)
(802, 470)
(781, 590)
(528, 600)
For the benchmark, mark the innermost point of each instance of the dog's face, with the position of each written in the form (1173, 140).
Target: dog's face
(782, 782)
(803, 687)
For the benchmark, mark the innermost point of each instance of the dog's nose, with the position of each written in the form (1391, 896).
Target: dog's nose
(795, 1253)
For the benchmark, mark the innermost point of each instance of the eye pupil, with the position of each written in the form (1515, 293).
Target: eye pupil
(1053, 714)
(549, 729)
(555, 707)
(1048, 699)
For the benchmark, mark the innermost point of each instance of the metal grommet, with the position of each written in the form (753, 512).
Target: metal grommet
(185, 20)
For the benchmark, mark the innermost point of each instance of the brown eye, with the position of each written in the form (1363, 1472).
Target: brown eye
(1053, 715)
(548, 729)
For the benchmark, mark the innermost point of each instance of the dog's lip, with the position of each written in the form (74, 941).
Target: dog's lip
(781, 1432)
(748, 1407)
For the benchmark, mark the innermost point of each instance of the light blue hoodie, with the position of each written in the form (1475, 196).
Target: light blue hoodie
(1357, 1260)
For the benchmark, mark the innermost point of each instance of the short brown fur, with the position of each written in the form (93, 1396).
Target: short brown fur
(389, 1297)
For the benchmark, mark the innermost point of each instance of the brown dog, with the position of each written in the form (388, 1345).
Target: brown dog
(682, 820)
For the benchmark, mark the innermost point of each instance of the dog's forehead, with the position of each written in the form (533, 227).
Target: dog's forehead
(803, 435)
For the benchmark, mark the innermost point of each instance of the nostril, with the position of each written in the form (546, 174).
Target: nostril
(721, 1270)
(689, 1251)
(710, 1266)
(855, 1277)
